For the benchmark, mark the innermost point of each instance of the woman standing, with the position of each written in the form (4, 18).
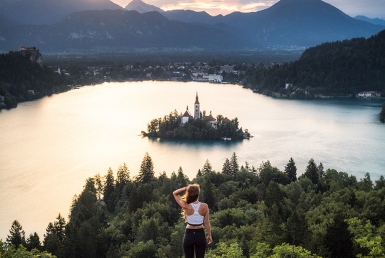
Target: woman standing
(195, 214)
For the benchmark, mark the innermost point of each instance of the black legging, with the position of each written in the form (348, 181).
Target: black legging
(194, 239)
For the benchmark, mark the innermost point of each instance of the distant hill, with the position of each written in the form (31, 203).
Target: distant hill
(116, 31)
(337, 68)
(6, 23)
(23, 76)
(141, 7)
(376, 21)
(292, 24)
(288, 22)
(49, 11)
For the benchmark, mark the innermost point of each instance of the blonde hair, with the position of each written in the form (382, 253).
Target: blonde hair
(191, 195)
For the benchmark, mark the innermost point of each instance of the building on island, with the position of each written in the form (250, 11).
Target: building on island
(197, 114)
(186, 116)
(211, 120)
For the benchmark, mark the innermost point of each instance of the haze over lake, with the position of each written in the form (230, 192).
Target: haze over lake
(51, 146)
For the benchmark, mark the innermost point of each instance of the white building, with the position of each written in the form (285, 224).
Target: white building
(368, 94)
(215, 78)
(186, 116)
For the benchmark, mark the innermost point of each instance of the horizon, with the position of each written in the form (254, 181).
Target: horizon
(370, 8)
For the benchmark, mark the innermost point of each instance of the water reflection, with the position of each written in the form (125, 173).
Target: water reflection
(207, 144)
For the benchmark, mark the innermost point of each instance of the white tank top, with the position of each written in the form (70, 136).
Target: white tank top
(195, 219)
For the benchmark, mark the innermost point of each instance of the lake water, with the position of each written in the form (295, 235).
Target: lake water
(50, 146)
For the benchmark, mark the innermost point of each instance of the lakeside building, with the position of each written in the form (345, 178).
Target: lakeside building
(368, 94)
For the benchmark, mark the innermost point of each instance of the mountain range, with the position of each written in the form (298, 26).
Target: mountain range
(102, 26)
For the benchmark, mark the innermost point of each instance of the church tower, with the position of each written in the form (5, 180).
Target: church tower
(197, 112)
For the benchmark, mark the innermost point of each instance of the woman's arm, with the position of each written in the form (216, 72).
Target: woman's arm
(208, 226)
(178, 199)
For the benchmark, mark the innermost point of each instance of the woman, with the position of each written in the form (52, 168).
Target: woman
(195, 214)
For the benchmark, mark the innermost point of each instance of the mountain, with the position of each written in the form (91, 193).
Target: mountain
(376, 21)
(6, 23)
(39, 12)
(117, 31)
(288, 22)
(141, 7)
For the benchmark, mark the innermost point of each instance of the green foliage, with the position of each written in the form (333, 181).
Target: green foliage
(263, 214)
(334, 69)
(366, 236)
(22, 252)
(226, 251)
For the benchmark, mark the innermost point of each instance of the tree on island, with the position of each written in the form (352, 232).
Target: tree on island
(170, 127)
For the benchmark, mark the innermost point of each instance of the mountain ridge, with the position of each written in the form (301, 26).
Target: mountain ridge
(142, 7)
(288, 23)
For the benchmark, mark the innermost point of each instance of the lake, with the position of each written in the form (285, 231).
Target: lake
(49, 147)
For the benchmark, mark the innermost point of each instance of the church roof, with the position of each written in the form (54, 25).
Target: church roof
(209, 118)
(186, 114)
(196, 99)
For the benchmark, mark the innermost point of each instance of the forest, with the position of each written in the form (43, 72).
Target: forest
(254, 212)
(22, 78)
(170, 127)
(341, 68)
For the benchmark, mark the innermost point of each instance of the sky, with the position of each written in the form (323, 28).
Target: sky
(369, 8)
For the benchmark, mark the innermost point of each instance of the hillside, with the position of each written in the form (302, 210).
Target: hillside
(118, 31)
(39, 12)
(24, 77)
(339, 68)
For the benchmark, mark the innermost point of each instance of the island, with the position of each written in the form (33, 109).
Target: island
(195, 127)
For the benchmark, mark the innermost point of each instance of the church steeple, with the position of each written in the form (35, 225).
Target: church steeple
(196, 108)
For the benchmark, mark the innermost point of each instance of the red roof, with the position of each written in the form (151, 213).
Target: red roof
(186, 114)
(226, 120)
(209, 118)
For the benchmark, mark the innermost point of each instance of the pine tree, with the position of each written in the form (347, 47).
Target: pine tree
(321, 171)
(17, 235)
(122, 178)
(208, 193)
(226, 169)
(291, 170)
(99, 182)
(207, 168)
(109, 189)
(33, 242)
(312, 171)
(234, 164)
(146, 171)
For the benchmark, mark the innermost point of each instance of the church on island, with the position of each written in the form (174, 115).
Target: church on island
(197, 115)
